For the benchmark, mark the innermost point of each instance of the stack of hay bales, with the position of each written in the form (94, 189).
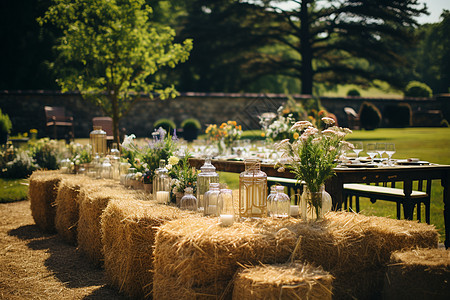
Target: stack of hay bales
(288, 281)
(42, 193)
(92, 203)
(196, 258)
(128, 234)
(355, 249)
(418, 274)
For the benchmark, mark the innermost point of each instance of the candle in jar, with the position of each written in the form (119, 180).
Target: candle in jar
(226, 220)
(162, 197)
(64, 170)
(294, 211)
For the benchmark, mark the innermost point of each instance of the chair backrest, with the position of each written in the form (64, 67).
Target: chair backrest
(54, 111)
(106, 123)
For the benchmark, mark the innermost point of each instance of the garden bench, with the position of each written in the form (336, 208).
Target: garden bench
(393, 194)
(56, 117)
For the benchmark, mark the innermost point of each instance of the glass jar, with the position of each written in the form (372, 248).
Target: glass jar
(226, 207)
(206, 176)
(313, 205)
(115, 161)
(107, 169)
(97, 166)
(281, 203)
(252, 190)
(65, 165)
(188, 201)
(97, 139)
(123, 170)
(161, 184)
(130, 177)
(270, 200)
(211, 198)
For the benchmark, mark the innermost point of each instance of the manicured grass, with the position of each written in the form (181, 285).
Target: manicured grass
(13, 190)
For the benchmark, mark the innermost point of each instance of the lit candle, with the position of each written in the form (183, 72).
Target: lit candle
(294, 211)
(64, 170)
(162, 197)
(226, 220)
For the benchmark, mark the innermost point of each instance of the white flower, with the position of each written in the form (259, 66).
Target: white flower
(138, 175)
(328, 121)
(173, 160)
(301, 125)
(169, 167)
(128, 140)
(145, 166)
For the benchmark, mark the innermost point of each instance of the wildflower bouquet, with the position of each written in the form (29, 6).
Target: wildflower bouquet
(226, 133)
(313, 153)
(182, 173)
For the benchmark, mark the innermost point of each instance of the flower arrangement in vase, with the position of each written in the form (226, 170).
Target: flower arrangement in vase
(224, 135)
(183, 176)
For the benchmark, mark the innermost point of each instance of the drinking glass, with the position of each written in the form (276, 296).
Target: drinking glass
(358, 148)
(371, 150)
(381, 148)
(390, 150)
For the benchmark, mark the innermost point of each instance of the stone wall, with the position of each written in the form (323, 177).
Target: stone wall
(26, 109)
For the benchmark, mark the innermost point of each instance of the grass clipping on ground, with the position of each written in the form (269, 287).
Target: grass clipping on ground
(418, 274)
(128, 234)
(286, 281)
(42, 193)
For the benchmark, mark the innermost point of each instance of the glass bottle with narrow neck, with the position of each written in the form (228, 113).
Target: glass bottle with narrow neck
(161, 184)
(252, 190)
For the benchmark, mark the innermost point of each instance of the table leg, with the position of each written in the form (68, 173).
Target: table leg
(445, 181)
(335, 188)
(408, 205)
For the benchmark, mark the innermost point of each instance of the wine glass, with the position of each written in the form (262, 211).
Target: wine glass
(381, 148)
(358, 148)
(390, 150)
(371, 150)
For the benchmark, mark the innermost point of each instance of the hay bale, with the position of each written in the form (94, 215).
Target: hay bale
(197, 258)
(92, 203)
(42, 193)
(286, 281)
(128, 234)
(418, 274)
(355, 249)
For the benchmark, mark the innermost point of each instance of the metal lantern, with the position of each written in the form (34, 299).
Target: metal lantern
(97, 139)
(188, 201)
(252, 190)
(161, 184)
(226, 207)
(206, 176)
(211, 198)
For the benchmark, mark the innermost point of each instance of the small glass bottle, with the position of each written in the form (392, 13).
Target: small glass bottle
(226, 207)
(130, 177)
(252, 190)
(115, 161)
(106, 169)
(97, 166)
(211, 200)
(161, 184)
(206, 176)
(270, 200)
(282, 203)
(123, 170)
(188, 201)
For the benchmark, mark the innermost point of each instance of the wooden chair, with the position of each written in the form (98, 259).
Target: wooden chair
(56, 117)
(393, 194)
(107, 125)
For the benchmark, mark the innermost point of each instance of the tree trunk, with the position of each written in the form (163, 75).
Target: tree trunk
(116, 118)
(305, 48)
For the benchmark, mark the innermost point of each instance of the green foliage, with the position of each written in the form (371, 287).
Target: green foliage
(191, 128)
(418, 89)
(46, 153)
(21, 166)
(110, 52)
(5, 127)
(369, 116)
(399, 115)
(166, 124)
(353, 93)
(184, 175)
(12, 190)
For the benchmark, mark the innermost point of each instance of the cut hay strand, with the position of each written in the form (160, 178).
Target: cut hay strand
(42, 193)
(92, 202)
(347, 244)
(128, 234)
(418, 274)
(287, 281)
(197, 258)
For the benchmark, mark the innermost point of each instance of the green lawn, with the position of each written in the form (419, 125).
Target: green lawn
(13, 190)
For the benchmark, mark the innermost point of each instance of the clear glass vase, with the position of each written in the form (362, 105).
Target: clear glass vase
(188, 201)
(206, 176)
(161, 184)
(313, 205)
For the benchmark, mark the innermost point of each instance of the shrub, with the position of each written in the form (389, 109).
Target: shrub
(5, 127)
(166, 124)
(353, 93)
(191, 128)
(46, 153)
(21, 167)
(369, 116)
(398, 115)
(418, 89)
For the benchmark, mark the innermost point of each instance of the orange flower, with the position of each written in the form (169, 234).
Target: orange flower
(296, 135)
(223, 125)
(263, 134)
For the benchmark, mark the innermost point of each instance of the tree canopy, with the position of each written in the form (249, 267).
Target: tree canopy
(110, 51)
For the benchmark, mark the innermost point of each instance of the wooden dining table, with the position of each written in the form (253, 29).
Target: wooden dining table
(406, 174)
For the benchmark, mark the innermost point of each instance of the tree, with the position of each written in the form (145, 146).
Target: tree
(110, 52)
(345, 41)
